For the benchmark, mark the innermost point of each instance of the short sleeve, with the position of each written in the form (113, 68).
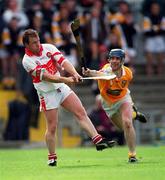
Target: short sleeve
(56, 54)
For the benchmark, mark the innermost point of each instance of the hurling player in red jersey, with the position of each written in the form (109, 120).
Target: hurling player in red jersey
(42, 62)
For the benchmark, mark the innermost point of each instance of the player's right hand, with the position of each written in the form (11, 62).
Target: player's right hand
(71, 80)
(77, 77)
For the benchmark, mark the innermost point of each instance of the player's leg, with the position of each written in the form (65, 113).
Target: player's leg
(129, 131)
(51, 126)
(73, 104)
(123, 120)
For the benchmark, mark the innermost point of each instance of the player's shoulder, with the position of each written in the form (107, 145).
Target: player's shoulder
(127, 69)
(128, 72)
(25, 58)
(26, 61)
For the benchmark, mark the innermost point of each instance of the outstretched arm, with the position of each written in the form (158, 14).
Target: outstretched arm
(90, 72)
(57, 79)
(71, 70)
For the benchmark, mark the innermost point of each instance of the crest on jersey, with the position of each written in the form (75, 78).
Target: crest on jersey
(123, 83)
(49, 54)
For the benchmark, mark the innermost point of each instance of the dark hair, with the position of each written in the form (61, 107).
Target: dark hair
(27, 34)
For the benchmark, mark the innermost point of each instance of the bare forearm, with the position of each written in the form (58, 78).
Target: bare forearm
(92, 73)
(54, 79)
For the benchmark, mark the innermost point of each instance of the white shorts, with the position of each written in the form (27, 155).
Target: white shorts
(113, 108)
(53, 99)
(155, 44)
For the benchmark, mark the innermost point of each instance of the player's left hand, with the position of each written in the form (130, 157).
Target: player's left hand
(86, 72)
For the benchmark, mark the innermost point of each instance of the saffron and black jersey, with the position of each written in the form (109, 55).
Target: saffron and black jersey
(115, 89)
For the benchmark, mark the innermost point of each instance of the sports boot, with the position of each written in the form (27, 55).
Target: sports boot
(103, 144)
(139, 116)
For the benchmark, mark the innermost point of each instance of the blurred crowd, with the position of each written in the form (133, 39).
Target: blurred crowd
(105, 24)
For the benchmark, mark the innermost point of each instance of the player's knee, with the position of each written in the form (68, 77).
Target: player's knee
(127, 123)
(51, 131)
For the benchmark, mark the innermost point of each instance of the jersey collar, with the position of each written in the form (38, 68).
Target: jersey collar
(30, 53)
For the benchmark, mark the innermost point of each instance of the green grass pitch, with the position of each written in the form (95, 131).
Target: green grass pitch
(83, 164)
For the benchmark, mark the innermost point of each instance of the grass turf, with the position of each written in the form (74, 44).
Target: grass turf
(83, 164)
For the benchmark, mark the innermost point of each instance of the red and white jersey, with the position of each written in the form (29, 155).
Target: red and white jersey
(48, 59)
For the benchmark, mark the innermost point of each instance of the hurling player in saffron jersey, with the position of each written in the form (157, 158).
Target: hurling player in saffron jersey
(116, 97)
(41, 61)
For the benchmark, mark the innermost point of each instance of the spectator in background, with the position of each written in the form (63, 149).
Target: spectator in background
(116, 17)
(113, 41)
(45, 36)
(13, 10)
(72, 9)
(67, 12)
(47, 10)
(95, 33)
(95, 28)
(154, 31)
(12, 35)
(59, 16)
(128, 31)
(93, 54)
(122, 31)
(24, 84)
(68, 47)
(102, 55)
(17, 128)
(100, 52)
(99, 4)
(117, 12)
(146, 4)
(3, 53)
(102, 123)
(31, 9)
(87, 3)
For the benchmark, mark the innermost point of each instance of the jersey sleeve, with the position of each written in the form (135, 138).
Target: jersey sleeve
(57, 55)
